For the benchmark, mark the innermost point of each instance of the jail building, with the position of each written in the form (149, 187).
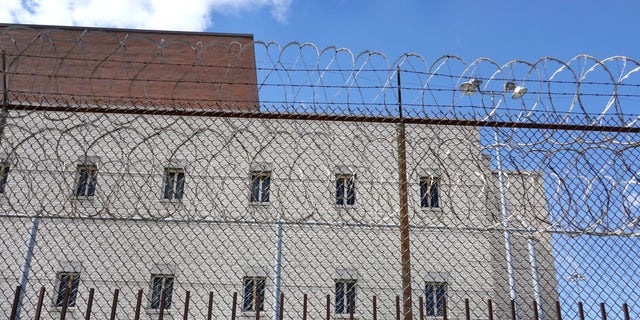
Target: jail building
(137, 159)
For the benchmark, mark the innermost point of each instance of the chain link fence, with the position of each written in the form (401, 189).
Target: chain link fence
(207, 176)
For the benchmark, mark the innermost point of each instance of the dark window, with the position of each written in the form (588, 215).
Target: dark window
(260, 184)
(345, 190)
(4, 175)
(161, 284)
(429, 193)
(253, 298)
(87, 178)
(434, 294)
(67, 282)
(345, 296)
(173, 184)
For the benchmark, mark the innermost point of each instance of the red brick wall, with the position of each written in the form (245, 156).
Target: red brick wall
(113, 67)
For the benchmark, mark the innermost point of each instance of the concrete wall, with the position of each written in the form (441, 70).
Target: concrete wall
(215, 236)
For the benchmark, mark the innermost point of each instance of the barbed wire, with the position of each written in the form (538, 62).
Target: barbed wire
(179, 163)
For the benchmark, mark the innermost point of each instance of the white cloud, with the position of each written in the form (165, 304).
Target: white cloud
(192, 15)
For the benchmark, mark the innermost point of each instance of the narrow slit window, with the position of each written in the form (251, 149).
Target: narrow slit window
(429, 197)
(87, 180)
(253, 297)
(345, 296)
(68, 283)
(345, 190)
(173, 184)
(260, 186)
(434, 294)
(161, 285)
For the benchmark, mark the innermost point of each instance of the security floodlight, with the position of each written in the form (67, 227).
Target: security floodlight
(518, 92)
(470, 87)
(509, 86)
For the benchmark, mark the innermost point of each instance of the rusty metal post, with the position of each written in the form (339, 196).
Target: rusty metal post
(210, 307)
(467, 310)
(328, 307)
(490, 309)
(16, 301)
(603, 311)
(186, 305)
(138, 305)
(580, 311)
(375, 308)
(40, 302)
(5, 98)
(233, 306)
(405, 242)
(304, 307)
(87, 314)
(114, 304)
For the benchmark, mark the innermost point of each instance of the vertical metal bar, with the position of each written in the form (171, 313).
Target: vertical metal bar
(138, 305)
(444, 308)
(87, 314)
(467, 310)
(505, 219)
(114, 304)
(603, 312)
(625, 310)
(558, 311)
(210, 307)
(5, 98)
(397, 307)
(535, 275)
(375, 307)
(281, 307)
(186, 305)
(580, 310)
(304, 307)
(536, 315)
(16, 301)
(30, 246)
(65, 302)
(257, 307)
(277, 268)
(40, 302)
(421, 307)
(405, 242)
(513, 310)
(233, 306)
(352, 307)
(328, 307)
(490, 309)
(163, 295)
(5, 102)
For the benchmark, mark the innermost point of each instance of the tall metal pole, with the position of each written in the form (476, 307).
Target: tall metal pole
(537, 291)
(277, 269)
(505, 224)
(5, 98)
(27, 262)
(405, 243)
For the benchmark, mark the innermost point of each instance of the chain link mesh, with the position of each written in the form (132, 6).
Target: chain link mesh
(153, 166)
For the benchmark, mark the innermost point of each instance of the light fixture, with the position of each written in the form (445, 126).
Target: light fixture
(470, 87)
(509, 86)
(518, 91)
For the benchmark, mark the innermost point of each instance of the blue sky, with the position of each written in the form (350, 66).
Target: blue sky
(501, 30)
